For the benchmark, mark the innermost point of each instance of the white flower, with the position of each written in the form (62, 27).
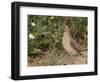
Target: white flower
(52, 17)
(33, 24)
(31, 36)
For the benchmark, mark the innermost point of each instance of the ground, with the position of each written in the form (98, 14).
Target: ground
(62, 59)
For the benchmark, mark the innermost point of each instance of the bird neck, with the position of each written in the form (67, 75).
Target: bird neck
(66, 33)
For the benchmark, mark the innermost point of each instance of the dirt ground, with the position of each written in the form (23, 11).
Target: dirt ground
(62, 59)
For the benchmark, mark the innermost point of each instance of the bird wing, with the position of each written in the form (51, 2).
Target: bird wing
(75, 45)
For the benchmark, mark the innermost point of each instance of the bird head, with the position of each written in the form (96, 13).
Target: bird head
(66, 29)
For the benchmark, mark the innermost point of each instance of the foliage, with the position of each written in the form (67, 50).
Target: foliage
(45, 32)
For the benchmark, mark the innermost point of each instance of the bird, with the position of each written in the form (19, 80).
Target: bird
(69, 44)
